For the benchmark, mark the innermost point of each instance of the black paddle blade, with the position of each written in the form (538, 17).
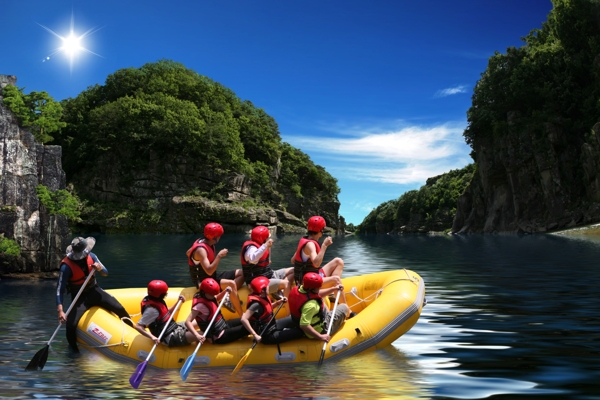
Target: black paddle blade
(321, 358)
(39, 360)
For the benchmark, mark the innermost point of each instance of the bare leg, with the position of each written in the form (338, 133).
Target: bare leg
(334, 267)
(239, 278)
(190, 337)
(289, 276)
(235, 300)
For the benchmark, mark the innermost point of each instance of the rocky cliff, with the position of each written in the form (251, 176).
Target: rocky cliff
(533, 127)
(167, 198)
(532, 181)
(24, 165)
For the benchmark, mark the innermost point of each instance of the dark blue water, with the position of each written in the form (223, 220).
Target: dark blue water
(508, 317)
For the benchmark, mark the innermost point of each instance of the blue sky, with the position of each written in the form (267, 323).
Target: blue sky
(374, 91)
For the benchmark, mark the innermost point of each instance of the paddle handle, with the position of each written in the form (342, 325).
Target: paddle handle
(164, 329)
(269, 323)
(211, 321)
(73, 303)
(337, 297)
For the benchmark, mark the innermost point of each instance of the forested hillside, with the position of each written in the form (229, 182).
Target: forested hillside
(431, 208)
(155, 137)
(533, 126)
(534, 129)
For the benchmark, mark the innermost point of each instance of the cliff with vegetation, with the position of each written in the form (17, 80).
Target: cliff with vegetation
(429, 209)
(33, 237)
(163, 149)
(533, 127)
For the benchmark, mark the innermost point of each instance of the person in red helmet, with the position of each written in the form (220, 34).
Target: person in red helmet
(310, 313)
(309, 256)
(155, 315)
(203, 262)
(259, 315)
(256, 261)
(204, 307)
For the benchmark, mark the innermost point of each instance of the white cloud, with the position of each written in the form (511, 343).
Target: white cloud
(451, 91)
(407, 155)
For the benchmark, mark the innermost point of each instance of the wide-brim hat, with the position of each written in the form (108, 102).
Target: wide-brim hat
(80, 247)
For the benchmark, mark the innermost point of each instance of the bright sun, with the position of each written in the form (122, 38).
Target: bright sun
(71, 44)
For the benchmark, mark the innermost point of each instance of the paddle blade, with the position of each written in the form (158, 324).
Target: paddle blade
(187, 367)
(321, 358)
(242, 361)
(39, 360)
(138, 375)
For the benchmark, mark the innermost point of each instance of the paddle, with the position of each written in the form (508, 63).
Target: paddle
(337, 297)
(138, 374)
(243, 360)
(39, 359)
(187, 366)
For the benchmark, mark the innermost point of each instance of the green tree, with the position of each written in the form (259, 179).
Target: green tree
(9, 246)
(36, 110)
(436, 198)
(59, 202)
(554, 75)
(163, 113)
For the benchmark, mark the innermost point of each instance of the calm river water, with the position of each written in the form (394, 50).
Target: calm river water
(508, 317)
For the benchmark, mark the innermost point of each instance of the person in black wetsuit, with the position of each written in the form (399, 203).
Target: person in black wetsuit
(74, 269)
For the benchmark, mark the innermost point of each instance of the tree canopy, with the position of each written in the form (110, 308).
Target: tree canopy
(36, 110)
(166, 110)
(554, 74)
(436, 199)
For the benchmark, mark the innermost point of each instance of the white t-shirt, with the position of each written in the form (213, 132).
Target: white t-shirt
(254, 254)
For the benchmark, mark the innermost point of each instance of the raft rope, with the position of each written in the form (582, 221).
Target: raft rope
(378, 292)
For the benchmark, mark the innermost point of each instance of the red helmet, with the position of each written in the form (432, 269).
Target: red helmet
(260, 234)
(157, 288)
(316, 223)
(213, 230)
(259, 283)
(210, 286)
(312, 280)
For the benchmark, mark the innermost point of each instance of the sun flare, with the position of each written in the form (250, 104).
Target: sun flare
(71, 44)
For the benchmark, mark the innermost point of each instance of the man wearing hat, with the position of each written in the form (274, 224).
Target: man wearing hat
(74, 269)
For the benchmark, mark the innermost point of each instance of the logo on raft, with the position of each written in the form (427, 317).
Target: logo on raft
(98, 333)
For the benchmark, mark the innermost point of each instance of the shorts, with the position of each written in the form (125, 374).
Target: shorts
(341, 312)
(280, 273)
(217, 276)
(278, 277)
(224, 275)
(177, 337)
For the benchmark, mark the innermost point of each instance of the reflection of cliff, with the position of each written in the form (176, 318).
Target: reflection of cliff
(25, 164)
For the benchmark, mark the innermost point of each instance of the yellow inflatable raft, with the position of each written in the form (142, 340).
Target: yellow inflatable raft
(388, 305)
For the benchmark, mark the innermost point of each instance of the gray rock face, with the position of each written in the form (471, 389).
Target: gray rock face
(529, 181)
(175, 192)
(25, 164)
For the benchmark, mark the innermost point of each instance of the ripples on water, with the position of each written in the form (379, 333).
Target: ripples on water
(507, 318)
